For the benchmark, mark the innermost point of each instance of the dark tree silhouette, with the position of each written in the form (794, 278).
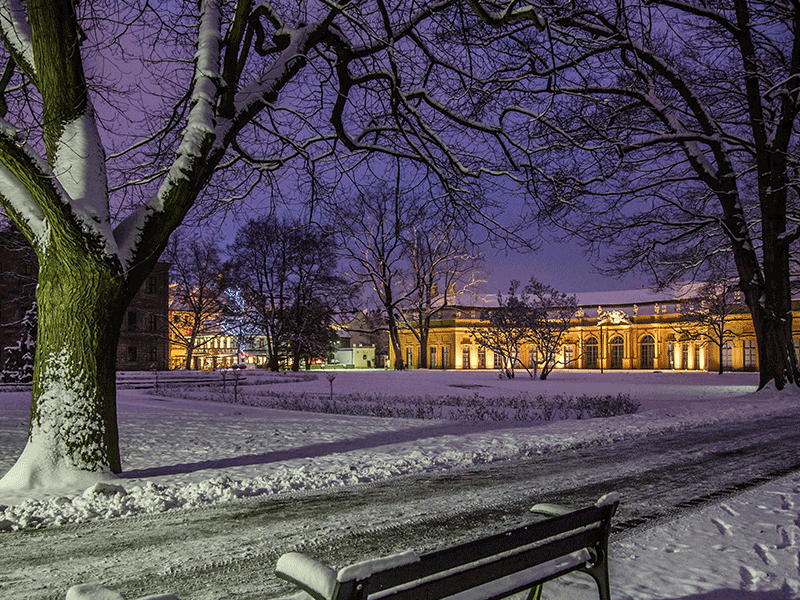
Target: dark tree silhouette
(665, 131)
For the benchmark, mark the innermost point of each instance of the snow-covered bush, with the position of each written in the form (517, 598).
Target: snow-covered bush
(521, 407)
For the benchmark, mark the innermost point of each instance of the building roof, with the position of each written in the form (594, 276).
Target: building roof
(641, 296)
(638, 296)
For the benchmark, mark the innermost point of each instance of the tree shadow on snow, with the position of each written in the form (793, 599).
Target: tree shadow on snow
(374, 440)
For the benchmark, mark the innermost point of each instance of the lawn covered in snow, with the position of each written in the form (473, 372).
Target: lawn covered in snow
(181, 452)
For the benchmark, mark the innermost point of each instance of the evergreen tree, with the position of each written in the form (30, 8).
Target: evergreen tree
(18, 365)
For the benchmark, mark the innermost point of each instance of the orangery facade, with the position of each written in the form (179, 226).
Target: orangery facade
(636, 329)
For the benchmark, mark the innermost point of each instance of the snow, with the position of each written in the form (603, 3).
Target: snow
(607, 500)
(366, 568)
(80, 168)
(46, 460)
(317, 579)
(16, 29)
(637, 296)
(182, 453)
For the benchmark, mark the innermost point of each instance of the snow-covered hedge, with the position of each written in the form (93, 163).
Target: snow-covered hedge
(520, 407)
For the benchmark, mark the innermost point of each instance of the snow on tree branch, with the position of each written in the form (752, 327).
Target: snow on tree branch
(509, 14)
(79, 166)
(25, 176)
(197, 138)
(201, 123)
(17, 34)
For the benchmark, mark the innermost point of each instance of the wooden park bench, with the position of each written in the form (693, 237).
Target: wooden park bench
(490, 568)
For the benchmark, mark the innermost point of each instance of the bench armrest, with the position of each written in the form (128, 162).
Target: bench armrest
(367, 568)
(556, 510)
(312, 576)
(550, 510)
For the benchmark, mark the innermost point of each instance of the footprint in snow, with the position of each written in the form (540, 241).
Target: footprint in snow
(729, 510)
(722, 526)
(788, 537)
(765, 555)
(750, 577)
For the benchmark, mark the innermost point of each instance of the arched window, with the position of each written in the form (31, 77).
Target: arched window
(648, 352)
(727, 355)
(591, 353)
(616, 349)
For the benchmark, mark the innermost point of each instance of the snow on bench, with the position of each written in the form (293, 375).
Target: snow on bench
(489, 568)
(96, 591)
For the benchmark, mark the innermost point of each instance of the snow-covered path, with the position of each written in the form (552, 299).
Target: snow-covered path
(749, 551)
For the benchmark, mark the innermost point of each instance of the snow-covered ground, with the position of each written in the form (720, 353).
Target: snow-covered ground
(185, 453)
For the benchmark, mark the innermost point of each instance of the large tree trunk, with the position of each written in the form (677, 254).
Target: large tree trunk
(190, 349)
(423, 350)
(776, 357)
(273, 364)
(394, 338)
(768, 296)
(73, 426)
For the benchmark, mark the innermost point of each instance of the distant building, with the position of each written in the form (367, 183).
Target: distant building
(635, 329)
(143, 343)
(214, 348)
(144, 336)
(359, 345)
(347, 353)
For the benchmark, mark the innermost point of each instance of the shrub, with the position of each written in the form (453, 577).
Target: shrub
(467, 408)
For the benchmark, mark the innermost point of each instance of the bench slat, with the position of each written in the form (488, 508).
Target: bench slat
(449, 558)
(456, 580)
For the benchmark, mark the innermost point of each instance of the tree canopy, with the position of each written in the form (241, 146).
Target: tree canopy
(666, 132)
(118, 119)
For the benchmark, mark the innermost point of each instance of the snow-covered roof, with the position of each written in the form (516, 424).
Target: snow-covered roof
(612, 298)
(637, 296)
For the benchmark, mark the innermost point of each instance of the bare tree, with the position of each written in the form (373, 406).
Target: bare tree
(707, 314)
(259, 270)
(665, 131)
(285, 272)
(372, 324)
(371, 233)
(318, 293)
(553, 312)
(442, 267)
(509, 326)
(197, 294)
(98, 169)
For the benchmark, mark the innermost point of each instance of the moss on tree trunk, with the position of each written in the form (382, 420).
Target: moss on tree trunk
(73, 425)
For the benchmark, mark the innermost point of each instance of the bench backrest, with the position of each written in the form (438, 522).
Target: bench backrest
(509, 555)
